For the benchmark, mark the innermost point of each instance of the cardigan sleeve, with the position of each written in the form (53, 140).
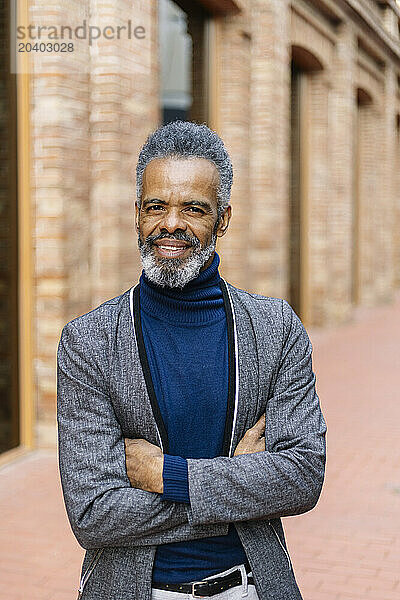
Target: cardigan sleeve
(286, 478)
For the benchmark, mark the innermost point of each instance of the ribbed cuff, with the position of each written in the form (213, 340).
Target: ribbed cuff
(175, 479)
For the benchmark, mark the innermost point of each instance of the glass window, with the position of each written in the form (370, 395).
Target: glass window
(184, 57)
(175, 62)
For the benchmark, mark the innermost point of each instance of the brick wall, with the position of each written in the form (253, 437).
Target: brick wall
(342, 102)
(268, 255)
(234, 120)
(88, 125)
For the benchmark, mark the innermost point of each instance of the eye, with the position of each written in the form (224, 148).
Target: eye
(154, 207)
(195, 209)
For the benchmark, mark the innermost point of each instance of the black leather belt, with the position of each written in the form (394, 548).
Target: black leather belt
(209, 587)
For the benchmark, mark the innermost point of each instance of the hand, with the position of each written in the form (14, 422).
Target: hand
(253, 440)
(144, 465)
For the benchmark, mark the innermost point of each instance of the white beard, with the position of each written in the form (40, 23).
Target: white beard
(174, 272)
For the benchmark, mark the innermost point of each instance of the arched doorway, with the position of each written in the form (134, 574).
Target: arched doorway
(303, 65)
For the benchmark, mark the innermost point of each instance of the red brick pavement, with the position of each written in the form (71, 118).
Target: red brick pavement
(39, 557)
(347, 548)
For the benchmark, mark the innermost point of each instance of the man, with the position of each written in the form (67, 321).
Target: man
(188, 418)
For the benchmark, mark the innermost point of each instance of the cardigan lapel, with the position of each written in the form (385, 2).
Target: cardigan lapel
(127, 384)
(138, 333)
(248, 401)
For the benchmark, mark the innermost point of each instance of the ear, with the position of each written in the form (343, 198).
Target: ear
(224, 221)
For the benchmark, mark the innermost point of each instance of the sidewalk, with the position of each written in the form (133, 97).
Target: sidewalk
(348, 547)
(39, 557)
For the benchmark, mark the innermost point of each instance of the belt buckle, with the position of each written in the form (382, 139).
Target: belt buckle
(194, 591)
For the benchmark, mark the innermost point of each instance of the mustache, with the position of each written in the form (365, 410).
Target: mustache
(179, 235)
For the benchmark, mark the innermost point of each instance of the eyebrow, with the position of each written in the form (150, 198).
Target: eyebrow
(201, 203)
(151, 200)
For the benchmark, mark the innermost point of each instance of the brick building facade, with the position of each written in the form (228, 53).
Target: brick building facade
(305, 94)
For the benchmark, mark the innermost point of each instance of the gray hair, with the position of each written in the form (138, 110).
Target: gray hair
(189, 140)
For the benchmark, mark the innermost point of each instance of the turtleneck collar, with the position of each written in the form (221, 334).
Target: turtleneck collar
(197, 303)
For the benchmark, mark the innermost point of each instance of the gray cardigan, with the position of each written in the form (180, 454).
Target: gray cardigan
(102, 398)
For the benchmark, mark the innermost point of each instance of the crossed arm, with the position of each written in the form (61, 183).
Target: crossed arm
(113, 495)
(144, 461)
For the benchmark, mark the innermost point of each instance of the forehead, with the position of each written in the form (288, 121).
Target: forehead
(169, 175)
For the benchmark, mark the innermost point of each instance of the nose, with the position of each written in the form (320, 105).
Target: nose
(173, 220)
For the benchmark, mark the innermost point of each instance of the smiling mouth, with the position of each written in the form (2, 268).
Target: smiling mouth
(171, 248)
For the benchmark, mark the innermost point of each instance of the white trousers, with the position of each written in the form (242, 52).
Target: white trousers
(236, 593)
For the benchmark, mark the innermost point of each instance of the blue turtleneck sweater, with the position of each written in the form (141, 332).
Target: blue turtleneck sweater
(185, 335)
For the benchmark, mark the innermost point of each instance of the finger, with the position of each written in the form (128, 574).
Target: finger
(260, 425)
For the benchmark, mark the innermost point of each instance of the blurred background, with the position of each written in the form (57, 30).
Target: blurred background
(306, 96)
